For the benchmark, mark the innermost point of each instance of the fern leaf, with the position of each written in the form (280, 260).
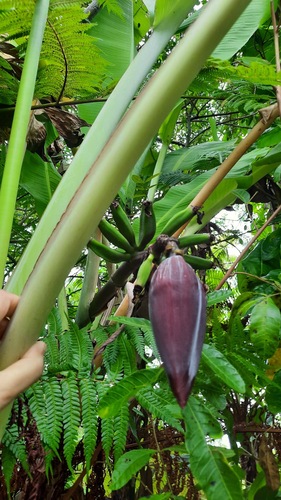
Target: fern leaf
(71, 418)
(66, 351)
(8, 461)
(16, 445)
(107, 425)
(46, 405)
(156, 404)
(136, 337)
(127, 353)
(107, 433)
(81, 346)
(66, 68)
(125, 389)
(120, 431)
(89, 417)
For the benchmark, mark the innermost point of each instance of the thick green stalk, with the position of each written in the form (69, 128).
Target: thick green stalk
(98, 135)
(17, 142)
(109, 172)
(89, 286)
(157, 172)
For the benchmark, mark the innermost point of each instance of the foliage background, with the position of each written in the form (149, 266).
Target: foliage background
(102, 422)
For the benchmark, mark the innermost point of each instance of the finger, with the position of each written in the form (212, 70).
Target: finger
(37, 349)
(8, 304)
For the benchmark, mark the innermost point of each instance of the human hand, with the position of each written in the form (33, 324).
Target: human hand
(24, 372)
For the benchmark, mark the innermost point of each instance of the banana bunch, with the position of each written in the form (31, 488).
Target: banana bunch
(122, 234)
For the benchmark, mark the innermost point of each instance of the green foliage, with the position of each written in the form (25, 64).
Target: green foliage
(63, 70)
(209, 466)
(125, 389)
(75, 411)
(128, 465)
(222, 368)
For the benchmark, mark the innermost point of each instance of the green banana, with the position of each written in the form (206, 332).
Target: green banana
(107, 253)
(198, 262)
(193, 239)
(178, 220)
(114, 236)
(144, 271)
(142, 277)
(123, 223)
(147, 224)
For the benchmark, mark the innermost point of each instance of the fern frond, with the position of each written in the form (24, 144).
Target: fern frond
(66, 352)
(81, 348)
(156, 403)
(127, 353)
(136, 337)
(66, 68)
(107, 434)
(107, 425)
(89, 417)
(16, 445)
(46, 405)
(121, 423)
(70, 63)
(71, 418)
(7, 462)
(218, 334)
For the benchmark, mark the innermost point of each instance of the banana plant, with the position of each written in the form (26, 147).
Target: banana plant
(111, 148)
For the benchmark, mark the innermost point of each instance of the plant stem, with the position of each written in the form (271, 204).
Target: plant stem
(89, 286)
(157, 172)
(17, 142)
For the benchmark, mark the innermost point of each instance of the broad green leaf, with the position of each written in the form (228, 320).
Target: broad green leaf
(128, 465)
(110, 27)
(39, 178)
(209, 467)
(220, 365)
(167, 128)
(242, 30)
(124, 390)
(218, 296)
(200, 157)
(258, 483)
(273, 394)
(164, 10)
(265, 327)
(208, 422)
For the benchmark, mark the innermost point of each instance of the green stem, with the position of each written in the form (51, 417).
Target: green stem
(63, 310)
(17, 142)
(89, 287)
(157, 172)
(97, 137)
(109, 171)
